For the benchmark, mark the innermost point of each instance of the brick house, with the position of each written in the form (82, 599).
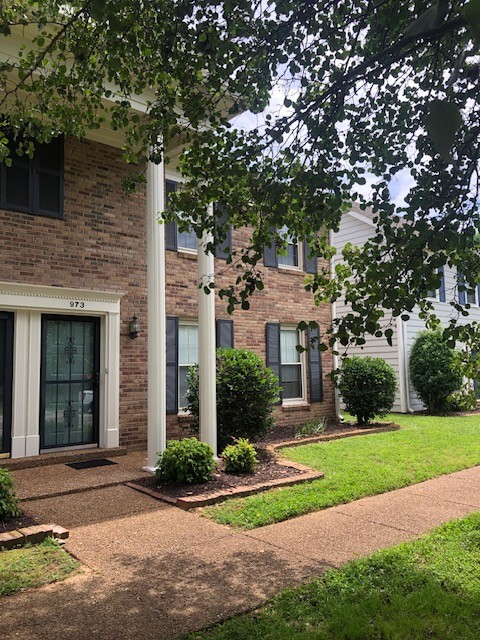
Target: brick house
(75, 270)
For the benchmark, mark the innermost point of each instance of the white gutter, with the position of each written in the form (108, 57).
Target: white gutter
(335, 358)
(403, 366)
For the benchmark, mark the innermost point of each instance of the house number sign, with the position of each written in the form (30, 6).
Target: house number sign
(77, 304)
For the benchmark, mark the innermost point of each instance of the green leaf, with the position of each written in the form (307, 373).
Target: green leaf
(442, 123)
(471, 12)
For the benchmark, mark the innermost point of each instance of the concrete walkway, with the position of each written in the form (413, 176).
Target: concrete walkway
(154, 571)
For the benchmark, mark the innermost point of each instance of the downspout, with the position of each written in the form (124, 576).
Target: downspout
(403, 366)
(335, 358)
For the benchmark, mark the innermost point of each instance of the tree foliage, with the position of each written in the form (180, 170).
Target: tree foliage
(370, 90)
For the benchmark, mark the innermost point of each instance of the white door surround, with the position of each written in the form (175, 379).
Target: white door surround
(28, 303)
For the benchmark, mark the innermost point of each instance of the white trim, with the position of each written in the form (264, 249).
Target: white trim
(29, 302)
(302, 400)
(361, 216)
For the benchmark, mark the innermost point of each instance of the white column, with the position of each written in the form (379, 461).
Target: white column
(206, 344)
(157, 427)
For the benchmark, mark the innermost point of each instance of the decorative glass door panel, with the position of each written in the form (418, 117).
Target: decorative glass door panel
(70, 366)
(6, 370)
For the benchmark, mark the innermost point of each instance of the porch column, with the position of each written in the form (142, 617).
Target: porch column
(157, 414)
(206, 344)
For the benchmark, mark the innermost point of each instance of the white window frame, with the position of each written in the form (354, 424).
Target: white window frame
(180, 180)
(297, 267)
(302, 362)
(183, 323)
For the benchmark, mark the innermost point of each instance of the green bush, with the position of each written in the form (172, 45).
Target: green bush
(368, 387)
(8, 500)
(432, 370)
(186, 461)
(246, 391)
(240, 457)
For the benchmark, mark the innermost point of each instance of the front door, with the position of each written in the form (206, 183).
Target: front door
(69, 381)
(6, 377)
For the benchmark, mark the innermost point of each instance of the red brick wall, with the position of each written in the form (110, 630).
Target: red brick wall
(283, 300)
(100, 244)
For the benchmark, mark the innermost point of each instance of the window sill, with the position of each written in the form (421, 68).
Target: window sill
(299, 405)
(297, 270)
(184, 417)
(185, 253)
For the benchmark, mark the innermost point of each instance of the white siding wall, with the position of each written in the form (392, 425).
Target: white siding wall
(444, 311)
(357, 233)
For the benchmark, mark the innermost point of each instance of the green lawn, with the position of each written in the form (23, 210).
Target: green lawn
(429, 588)
(425, 448)
(34, 566)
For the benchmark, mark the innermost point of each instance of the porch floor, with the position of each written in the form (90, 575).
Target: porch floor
(59, 479)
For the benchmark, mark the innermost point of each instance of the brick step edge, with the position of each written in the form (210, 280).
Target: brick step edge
(31, 535)
(204, 500)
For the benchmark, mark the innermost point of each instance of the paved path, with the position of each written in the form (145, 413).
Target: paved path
(155, 571)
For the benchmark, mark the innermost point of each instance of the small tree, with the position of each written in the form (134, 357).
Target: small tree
(368, 387)
(432, 371)
(246, 391)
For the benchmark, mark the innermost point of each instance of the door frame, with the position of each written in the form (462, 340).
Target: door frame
(6, 447)
(96, 398)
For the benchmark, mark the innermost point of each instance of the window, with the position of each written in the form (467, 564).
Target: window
(469, 294)
(175, 239)
(187, 240)
(292, 257)
(35, 185)
(291, 364)
(187, 356)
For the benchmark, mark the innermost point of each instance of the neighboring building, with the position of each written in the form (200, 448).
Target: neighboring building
(356, 227)
(74, 273)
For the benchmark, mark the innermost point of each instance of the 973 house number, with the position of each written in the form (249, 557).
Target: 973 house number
(76, 304)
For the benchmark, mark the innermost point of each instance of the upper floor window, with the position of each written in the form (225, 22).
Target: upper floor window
(467, 294)
(34, 185)
(184, 240)
(292, 256)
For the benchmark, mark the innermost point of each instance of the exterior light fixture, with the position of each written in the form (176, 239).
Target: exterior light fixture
(134, 328)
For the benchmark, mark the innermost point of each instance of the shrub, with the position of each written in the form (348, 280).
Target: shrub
(432, 370)
(8, 500)
(246, 391)
(240, 457)
(311, 428)
(462, 400)
(368, 387)
(186, 461)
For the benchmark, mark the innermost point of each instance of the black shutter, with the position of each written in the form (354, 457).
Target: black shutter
(16, 183)
(442, 292)
(315, 365)
(273, 349)
(462, 295)
(310, 262)
(223, 250)
(48, 179)
(170, 227)
(270, 258)
(172, 365)
(225, 333)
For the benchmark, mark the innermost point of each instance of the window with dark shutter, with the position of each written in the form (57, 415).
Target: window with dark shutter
(35, 185)
(224, 331)
(315, 365)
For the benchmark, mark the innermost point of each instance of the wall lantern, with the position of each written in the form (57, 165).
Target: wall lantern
(134, 328)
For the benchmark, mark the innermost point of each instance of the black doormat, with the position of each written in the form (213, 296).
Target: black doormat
(89, 464)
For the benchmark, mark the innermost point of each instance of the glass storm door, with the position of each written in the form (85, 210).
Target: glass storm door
(69, 381)
(6, 373)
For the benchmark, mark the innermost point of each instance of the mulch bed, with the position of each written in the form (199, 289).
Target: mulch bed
(266, 471)
(11, 524)
(286, 433)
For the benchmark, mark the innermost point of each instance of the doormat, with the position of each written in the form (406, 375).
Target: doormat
(89, 464)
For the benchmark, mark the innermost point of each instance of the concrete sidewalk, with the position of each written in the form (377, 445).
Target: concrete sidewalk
(158, 572)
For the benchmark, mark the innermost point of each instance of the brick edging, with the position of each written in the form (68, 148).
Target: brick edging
(334, 436)
(33, 535)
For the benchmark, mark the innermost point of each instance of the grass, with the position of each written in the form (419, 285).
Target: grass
(34, 566)
(425, 448)
(429, 588)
